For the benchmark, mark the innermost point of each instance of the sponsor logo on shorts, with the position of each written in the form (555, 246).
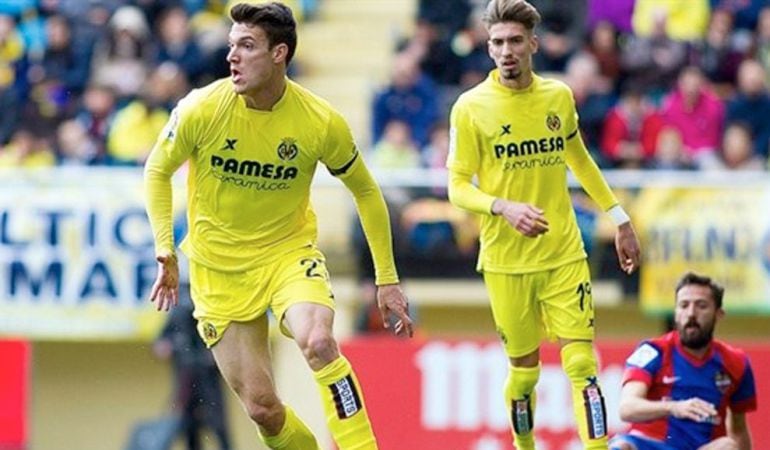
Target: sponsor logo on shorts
(346, 398)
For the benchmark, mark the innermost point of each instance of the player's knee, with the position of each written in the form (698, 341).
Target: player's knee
(578, 360)
(264, 409)
(320, 348)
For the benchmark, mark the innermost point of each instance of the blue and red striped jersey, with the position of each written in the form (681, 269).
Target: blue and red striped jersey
(723, 377)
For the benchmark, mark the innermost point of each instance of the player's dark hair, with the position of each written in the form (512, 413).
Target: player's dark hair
(274, 18)
(511, 11)
(717, 291)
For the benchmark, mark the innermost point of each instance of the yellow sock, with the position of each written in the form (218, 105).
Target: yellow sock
(520, 396)
(294, 435)
(579, 362)
(343, 403)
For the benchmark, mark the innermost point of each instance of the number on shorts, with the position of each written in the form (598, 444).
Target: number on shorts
(584, 289)
(313, 264)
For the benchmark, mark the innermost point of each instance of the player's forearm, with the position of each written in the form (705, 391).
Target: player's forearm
(375, 221)
(588, 174)
(463, 194)
(743, 440)
(642, 410)
(158, 198)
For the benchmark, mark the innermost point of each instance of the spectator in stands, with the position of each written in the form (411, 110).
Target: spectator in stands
(616, 12)
(410, 97)
(698, 114)
(396, 149)
(603, 45)
(670, 153)
(745, 12)
(557, 44)
(630, 131)
(64, 64)
(762, 44)
(177, 45)
(717, 55)
(137, 125)
(96, 114)
(471, 46)
(593, 97)
(685, 21)
(737, 151)
(653, 62)
(26, 150)
(122, 60)
(434, 52)
(751, 104)
(11, 55)
(74, 147)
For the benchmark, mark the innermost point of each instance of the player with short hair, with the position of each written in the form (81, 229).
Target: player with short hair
(253, 142)
(518, 133)
(686, 390)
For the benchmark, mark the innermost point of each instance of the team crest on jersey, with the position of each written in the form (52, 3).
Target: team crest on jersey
(553, 122)
(722, 381)
(287, 149)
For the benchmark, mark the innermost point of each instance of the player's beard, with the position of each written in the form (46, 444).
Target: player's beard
(511, 74)
(694, 336)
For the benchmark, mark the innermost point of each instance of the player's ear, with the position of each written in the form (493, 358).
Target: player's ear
(535, 42)
(279, 53)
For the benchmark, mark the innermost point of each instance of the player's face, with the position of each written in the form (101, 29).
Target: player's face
(695, 315)
(511, 46)
(252, 63)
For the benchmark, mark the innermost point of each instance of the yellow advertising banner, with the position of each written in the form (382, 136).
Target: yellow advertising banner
(76, 255)
(722, 232)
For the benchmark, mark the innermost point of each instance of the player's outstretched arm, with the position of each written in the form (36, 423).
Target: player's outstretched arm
(635, 407)
(392, 302)
(165, 290)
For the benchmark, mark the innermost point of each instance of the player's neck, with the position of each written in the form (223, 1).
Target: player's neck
(522, 82)
(266, 97)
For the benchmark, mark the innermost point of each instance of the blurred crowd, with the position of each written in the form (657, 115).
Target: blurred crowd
(659, 84)
(92, 82)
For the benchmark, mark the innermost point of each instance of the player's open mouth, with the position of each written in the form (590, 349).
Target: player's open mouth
(235, 75)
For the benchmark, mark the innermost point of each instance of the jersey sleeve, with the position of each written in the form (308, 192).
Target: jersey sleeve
(643, 364)
(173, 147)
(339, 147)
(744, 399)
(583, 165)
(464, 152)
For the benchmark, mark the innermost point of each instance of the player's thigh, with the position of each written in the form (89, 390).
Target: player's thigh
(515, 311)
(224, 297)
(301, 286)
(723, 443)
(243, 357)
(568, 306)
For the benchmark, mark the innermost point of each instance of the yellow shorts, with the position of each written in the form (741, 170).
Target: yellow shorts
(555, 303)
(219, 297)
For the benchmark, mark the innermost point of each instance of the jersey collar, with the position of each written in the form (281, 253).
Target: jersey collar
(494, 80)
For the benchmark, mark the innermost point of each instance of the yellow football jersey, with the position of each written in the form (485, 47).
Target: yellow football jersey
(519, 143)
(250, 172)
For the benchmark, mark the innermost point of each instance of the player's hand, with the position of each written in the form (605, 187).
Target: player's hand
(526, 219)
(391, 300)
(627, 246)
(165, 291)
(693, 409)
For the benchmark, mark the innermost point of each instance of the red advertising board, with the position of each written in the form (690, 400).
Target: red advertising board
(14, 376)
(447, 394)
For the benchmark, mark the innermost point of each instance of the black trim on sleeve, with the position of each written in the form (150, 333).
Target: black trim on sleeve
(573, 134)
(343, 169)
